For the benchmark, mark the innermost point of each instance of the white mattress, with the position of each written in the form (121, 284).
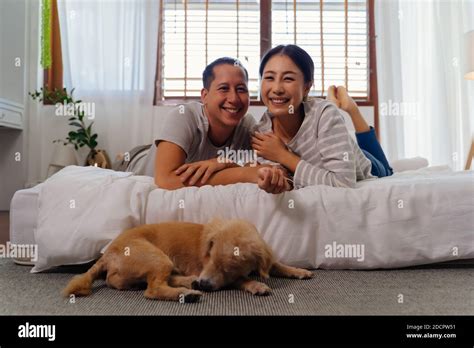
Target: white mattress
(411, 218)
(24, 219)
(24, 215)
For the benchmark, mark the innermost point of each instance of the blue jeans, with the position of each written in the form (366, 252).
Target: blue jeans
(371, 148)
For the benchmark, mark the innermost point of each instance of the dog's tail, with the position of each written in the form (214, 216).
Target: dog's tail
(81, 285)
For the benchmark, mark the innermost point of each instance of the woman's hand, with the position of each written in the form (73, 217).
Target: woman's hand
(201, 170)
(269, 146)
(273, 180)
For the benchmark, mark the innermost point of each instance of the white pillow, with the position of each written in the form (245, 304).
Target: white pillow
(82, 209)
(138, 164)
(405, 164)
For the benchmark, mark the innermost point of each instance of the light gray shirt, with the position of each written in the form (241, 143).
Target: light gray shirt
(187, 126)
(329, 155)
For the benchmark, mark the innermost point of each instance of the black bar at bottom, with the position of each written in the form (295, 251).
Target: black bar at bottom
(411, 330)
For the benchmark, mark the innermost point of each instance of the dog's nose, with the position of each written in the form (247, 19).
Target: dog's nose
(205, 285)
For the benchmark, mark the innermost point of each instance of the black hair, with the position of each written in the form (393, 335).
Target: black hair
(298, 55)
(208, 73)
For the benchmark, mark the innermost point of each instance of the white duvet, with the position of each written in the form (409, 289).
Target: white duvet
(410, 218)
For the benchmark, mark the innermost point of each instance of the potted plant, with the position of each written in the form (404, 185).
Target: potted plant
(82, 135)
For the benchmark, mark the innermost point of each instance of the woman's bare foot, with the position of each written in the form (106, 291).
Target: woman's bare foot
(347, 103)
(343, 100)
(332, 96)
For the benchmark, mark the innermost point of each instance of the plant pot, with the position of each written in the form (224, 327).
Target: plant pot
(64, 155)
(98, 158)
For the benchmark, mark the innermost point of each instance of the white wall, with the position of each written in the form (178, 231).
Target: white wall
(15, 27)
(12, 172)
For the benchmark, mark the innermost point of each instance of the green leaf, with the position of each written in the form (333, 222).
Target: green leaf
(77, 124)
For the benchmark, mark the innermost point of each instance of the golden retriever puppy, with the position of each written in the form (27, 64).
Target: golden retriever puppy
(177, 259)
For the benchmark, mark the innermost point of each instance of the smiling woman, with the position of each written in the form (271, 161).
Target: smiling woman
(309, 138)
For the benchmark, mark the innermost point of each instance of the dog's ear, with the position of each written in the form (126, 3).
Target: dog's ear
(207, 244)
(210, 231)
(264, 261)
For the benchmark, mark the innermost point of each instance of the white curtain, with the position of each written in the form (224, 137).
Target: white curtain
(109, 56)
(424, 106)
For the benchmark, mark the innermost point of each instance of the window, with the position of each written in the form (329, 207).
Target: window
(334, 33)
(195, 32)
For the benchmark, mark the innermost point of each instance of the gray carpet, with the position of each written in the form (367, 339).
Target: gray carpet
(434, 290)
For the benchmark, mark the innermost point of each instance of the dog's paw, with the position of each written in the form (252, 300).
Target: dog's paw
(192, 296)
(195, 284)
(258, 289)
(190, 282)
(303, 274)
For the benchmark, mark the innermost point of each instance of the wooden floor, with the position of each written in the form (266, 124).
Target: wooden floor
(4, 226)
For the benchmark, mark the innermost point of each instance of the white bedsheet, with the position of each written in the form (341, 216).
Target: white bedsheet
(411, 218)
(82, 209)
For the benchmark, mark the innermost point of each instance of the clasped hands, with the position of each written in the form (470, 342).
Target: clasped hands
(273, 179)
(270, 178)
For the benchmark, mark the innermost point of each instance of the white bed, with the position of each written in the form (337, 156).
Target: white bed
(410, 218)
